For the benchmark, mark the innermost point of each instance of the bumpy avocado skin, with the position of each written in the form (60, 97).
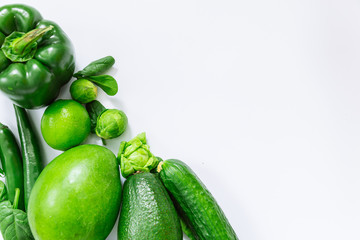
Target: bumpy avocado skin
(147, 211)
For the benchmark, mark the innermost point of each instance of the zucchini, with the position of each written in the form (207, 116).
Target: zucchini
(147, 211)
(197, 206)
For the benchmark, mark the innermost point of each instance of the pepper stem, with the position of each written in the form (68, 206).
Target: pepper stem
(16, 198)
(23, 45)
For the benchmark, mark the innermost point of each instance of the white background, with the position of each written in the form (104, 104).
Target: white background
(261, 98)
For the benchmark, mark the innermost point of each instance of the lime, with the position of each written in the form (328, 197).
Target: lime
(65, 124)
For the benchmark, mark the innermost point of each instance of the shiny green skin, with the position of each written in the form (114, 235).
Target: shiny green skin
(147, 211)
(111, 123)
(30, 150)
(83, 91)
(190, 233)
(197, 206)
(11, 162)
(65, 124)
(77, 196)
(37, 82)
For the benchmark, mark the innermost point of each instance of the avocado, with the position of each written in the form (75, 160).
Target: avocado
(147, 211)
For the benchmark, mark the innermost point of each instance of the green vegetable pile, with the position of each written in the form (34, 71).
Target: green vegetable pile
(78, 195)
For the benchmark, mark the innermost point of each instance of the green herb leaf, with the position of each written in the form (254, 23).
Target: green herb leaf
(96, 67)
(1, 171)
(106, 83)
(14, 224)
(3, 192)
(94, 108)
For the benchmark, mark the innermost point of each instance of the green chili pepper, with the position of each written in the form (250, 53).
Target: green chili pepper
(3, 192)
(12, 164)
(30, 148)
(37, 57)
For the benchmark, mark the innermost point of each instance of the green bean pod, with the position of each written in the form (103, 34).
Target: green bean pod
(30, 148)
(11, 162)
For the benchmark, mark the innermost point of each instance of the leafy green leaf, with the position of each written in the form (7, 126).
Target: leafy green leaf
(106, 83)
(96, 67)
(3, 192)
(94, 108)
(1, 171)
(14, 224)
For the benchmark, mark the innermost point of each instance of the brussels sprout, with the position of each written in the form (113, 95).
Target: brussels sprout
(83, 91)
(135, 156)
(111, 123)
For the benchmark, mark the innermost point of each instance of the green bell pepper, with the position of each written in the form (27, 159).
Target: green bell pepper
(36, 57)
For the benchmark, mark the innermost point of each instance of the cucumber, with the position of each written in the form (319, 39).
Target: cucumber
(187, 231)
(197, 206)
(147, 210)
(185, 226)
